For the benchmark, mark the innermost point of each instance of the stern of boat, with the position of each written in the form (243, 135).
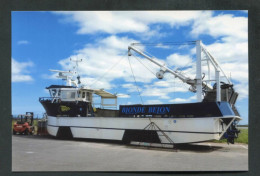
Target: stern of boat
(228, 128)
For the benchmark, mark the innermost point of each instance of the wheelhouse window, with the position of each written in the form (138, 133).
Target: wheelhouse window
(72, 95)
(88, 96)
(68, 95)
(53, 92)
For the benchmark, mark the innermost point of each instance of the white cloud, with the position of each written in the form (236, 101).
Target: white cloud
(114, 22)
(178, 60)
(120, 95)
(106, 61)
(231, 49)
(183, 100)
(104, 56)
(153, 102)
(22, 42)
(224, 25)
(242, 90)
(162, 89)
(20, 72)
(239, 71)
(233, 59)
(160, 45)
(131, 87)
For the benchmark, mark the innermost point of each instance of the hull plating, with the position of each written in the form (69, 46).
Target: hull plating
(179, 130)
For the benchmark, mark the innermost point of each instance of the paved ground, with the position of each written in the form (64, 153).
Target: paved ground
(34, 153)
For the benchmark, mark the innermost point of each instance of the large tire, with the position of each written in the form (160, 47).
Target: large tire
(26, 132)
(14, 132)
(32, 132)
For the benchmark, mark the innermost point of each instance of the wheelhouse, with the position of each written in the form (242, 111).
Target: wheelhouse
(70, 94)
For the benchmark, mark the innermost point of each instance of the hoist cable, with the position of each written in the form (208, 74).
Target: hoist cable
(135, 80)
(137, 86)
(144, 65)
(165, 43)
(102, 76)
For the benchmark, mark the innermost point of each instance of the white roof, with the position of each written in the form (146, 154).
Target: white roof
(104, 94)
(101, 92)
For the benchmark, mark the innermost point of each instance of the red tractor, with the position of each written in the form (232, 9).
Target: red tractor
(24, 124)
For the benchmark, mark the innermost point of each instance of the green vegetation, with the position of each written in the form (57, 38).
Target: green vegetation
(242, 137)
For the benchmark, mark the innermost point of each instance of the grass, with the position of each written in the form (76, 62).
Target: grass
(242, 137)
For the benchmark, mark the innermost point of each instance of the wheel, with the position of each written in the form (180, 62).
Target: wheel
(26, 132)
(32, 131)
(14, 132)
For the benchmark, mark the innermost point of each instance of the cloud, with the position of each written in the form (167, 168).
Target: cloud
(224, 25)
(160, 45)
(120, 95)
(131, 87)
(20, 72)
(183, 100)
(105, 60)
(114, 22)
(153, 102)
(178, 60)
(229, 51)
(242, 90)
(233, 59)
(163, 89)
(231, 47)
(22, 42)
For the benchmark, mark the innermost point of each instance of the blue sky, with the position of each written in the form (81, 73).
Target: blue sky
(46, 40)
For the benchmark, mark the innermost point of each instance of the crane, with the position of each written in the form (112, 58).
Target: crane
(196, 84)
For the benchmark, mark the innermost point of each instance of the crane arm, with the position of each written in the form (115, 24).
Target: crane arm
(164, 69)
(162, 66)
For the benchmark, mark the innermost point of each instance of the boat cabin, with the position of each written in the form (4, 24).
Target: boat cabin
(60, 93)
(69, 93)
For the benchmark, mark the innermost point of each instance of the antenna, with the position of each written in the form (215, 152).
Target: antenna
(64, 75)
(75, 68)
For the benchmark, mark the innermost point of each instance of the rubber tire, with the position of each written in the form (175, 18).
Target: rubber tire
(14, 132)
(26, 132)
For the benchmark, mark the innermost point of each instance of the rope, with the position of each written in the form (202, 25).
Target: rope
(166, 43)
(108, 71)
(135, 80)
(136, 84)
(144, 65)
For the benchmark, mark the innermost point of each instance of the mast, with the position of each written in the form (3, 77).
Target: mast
(198, 71)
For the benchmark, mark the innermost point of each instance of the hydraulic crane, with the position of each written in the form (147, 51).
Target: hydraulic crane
(198, 85)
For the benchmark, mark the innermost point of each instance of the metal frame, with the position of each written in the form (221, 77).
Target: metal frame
(197, 83)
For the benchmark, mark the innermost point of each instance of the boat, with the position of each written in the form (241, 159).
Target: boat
(72, 113)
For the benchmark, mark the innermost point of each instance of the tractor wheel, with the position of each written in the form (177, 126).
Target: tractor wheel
(14, 132)
(33, 130)
(26, 132)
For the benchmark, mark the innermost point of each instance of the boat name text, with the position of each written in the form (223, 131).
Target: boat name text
(146, 110)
